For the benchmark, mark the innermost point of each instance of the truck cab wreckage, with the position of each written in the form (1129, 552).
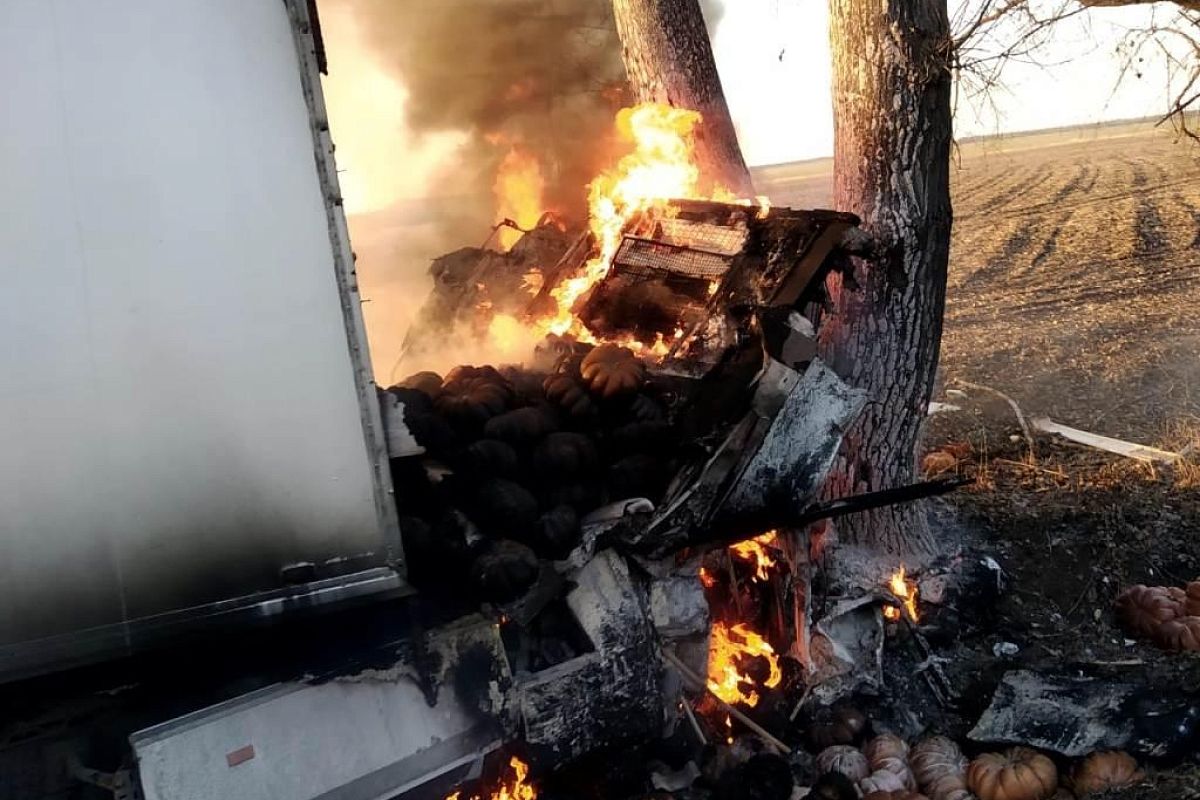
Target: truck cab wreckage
(610, 545)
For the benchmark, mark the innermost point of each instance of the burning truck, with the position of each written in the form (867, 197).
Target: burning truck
(594, 566)
(632, 504)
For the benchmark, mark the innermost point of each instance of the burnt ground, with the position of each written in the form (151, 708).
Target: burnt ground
(1074, 288)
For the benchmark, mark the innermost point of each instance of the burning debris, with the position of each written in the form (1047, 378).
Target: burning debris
(728, 647)
(634, 499)
(514, 787)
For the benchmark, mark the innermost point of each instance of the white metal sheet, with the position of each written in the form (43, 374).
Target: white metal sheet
(355, 737)
(180, 403)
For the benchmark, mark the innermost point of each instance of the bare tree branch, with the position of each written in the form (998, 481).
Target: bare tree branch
(1190, 5)
(989, 34)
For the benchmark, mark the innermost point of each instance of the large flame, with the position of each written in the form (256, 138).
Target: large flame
(755, 551)
(514, 789)
(660, 166)
(518, 189)
(726, 647)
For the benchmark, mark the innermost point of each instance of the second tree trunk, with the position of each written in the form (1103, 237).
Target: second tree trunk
(669, 59)
(892, 168)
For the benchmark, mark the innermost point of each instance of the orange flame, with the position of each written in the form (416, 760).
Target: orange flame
(518, 189)
(706, 580)
(517, 789)
(658, 167)
(726, 646)
(905, 590)
(754, 550)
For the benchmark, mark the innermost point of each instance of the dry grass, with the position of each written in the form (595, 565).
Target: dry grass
(1074, 289)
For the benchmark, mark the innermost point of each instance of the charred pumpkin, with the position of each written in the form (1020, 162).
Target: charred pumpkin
(565, 457)
(637, 476)
(487, 458)
(504, 508)
(835, 725)
(504, 571)
(569, 394)
(522, 427)
(469, 403)
(557, 532)
(645, 409)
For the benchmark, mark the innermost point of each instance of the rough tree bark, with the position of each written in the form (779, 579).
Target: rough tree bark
(892, 95)
(669, 59)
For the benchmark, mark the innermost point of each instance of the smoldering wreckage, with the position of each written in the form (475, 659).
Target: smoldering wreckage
(628, 537)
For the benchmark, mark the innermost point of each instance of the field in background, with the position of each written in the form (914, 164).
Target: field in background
(1075, 272)
(1074, 288)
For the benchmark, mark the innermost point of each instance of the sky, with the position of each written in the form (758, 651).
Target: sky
(774, 60)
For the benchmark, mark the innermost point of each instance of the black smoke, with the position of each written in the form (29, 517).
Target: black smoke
(544, 74)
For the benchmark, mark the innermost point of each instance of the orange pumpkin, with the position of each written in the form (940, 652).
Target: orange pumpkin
(1191, 601)
(1105, 770)
(1182, 633)
(1141, 609)
(610, 371)
(1019, 773)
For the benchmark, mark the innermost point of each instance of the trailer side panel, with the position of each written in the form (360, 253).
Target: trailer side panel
(183, 400)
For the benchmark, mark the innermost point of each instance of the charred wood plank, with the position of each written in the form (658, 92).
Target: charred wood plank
(782, 514)
(782, 448)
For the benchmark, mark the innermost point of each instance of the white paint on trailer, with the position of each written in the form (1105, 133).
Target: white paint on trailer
(359, 737)
(181, 404)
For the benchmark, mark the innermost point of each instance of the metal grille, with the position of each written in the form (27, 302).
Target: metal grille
(728, 240)
(645, 257)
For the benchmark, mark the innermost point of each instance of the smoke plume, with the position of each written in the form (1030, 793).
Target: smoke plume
(543, 76)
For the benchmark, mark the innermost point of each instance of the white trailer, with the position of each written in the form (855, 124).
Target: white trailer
(189, 430)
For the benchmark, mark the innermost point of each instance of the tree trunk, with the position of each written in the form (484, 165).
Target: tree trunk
(891, 87)
(669, 59)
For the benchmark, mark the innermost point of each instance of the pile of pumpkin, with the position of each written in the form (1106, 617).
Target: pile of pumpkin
(1168, 615)
(515, 459)
(886, 768)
